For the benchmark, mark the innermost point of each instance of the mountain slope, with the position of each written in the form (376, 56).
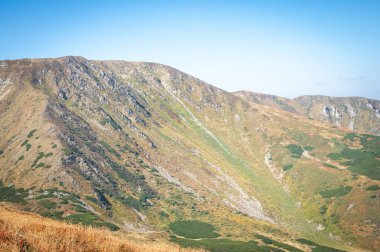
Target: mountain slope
(20, 231)
(355, 113)
(143, 146)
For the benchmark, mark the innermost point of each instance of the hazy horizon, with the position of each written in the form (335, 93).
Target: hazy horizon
(282, 48)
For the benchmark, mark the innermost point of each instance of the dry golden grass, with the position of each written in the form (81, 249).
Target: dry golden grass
(20, 231)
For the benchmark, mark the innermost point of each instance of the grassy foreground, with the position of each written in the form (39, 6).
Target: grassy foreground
(21, 231)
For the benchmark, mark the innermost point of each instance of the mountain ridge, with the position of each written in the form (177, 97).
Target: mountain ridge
(340, 111)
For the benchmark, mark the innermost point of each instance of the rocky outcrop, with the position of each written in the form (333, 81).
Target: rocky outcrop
(355, 113)
(81, 143)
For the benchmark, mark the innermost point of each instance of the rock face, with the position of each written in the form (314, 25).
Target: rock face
(355, 113)
(146, 144)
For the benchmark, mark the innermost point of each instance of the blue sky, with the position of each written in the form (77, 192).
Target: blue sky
(287, 48)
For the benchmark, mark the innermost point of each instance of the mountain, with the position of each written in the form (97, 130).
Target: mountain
(145, 148)
(355, 113)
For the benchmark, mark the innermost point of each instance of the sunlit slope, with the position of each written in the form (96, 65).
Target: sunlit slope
(20, 231)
